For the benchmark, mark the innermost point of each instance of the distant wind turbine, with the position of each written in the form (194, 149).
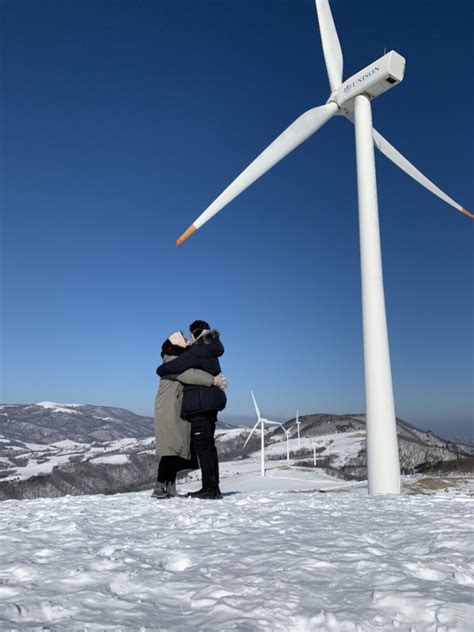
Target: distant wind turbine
(298, 424)
(314, 446)
(263, 422)
(287, 434)
(351, 99)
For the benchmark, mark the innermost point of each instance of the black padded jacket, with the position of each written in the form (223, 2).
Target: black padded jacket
(203, 354)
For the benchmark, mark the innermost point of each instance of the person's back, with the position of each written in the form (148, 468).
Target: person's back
(201, 408)
(206, 351)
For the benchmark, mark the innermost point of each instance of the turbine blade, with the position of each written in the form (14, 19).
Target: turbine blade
(395, 156)
(272, 423)
(299, 131)
(256, 406)
(331, 45)
(251, 433)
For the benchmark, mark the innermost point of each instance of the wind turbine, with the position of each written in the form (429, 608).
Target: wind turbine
(287, 433)
(298, 424)
(314, 446)
(351, 99)
(263, 422)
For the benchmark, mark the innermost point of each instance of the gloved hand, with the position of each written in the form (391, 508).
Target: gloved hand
(220, 381)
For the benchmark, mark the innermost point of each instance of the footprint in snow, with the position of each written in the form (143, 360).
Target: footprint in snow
(103, 564)
(22, 574)
(421, 572)
(464, 579)
(43, 555)
(6, 592)
(106, 550)
(177, 564)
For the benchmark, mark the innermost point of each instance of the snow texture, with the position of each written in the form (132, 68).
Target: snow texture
(59, 408)
(114, 458)
(261, 559)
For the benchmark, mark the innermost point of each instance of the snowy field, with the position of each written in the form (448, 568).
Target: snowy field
(43, 458)
(273, 555)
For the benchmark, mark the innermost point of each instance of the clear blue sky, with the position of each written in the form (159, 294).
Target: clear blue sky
(124, 120)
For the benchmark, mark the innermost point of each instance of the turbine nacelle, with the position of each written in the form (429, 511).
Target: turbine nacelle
(374, 80)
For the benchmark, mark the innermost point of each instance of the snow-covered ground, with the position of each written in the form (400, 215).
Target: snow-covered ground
(273, 555)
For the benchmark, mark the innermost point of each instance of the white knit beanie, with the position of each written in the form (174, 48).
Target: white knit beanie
(177, 338)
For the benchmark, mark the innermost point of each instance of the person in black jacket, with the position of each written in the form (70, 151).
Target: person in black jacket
(201, 404)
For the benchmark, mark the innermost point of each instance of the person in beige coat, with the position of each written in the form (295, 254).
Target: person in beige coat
(173, 434)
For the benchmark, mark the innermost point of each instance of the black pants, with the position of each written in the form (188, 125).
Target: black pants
(170, 465)
(203, 428)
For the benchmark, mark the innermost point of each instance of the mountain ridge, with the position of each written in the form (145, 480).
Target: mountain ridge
(52, 449)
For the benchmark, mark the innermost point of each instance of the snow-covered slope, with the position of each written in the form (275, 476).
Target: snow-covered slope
(21, 461)
(341, 441)
(29, 470)
(51, 449)
(272, 556)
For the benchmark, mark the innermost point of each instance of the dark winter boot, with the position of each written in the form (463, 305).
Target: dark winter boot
(160, 491)
(195, 494)
(207, 494)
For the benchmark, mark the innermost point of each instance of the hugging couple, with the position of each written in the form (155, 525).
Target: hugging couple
(190, 394)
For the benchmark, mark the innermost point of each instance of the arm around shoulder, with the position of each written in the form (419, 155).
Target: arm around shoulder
(182, 363)
(195, 376)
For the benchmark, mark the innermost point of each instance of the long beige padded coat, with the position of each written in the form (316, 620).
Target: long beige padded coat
(173, 434)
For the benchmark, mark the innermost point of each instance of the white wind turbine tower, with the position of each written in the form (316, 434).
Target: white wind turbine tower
(287, 434)
(351, 99)
(314, 445)
(263, 422)
(298, 424)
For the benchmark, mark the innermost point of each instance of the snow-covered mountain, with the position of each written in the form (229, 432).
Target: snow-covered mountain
(48, 422)
(420, 450)
(51, 449)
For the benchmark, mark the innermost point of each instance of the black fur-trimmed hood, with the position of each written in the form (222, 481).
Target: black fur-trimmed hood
(208, 343)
